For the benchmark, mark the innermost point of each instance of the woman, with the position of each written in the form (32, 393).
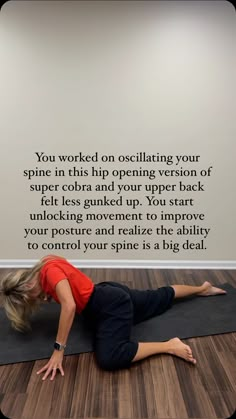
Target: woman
(111, 307)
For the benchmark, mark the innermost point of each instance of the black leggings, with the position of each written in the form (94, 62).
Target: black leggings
(111, 311)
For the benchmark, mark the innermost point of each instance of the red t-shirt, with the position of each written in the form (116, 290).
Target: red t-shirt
(54, 270)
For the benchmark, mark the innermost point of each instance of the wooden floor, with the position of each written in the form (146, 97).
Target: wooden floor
(158, 387)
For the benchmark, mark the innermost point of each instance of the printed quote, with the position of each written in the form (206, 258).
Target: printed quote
(123, 202)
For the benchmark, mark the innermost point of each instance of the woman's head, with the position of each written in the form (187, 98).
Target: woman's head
(21, 294)
(16, 299)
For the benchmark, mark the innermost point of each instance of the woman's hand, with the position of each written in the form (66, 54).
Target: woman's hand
(68, 309)
(54, 363)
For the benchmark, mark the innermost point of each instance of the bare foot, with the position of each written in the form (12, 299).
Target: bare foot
(210, 290)
(178, 348)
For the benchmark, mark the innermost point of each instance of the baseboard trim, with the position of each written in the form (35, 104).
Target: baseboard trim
(128, 264)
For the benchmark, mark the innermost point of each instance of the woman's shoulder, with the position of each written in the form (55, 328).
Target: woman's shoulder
(52, 261)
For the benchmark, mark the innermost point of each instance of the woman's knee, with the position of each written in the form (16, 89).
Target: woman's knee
(108, 361)
(111, 358)
(118, 357)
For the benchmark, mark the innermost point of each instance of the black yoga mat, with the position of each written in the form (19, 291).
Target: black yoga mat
(192, 317)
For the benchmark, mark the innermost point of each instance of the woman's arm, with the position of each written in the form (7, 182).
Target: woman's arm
(68, 309)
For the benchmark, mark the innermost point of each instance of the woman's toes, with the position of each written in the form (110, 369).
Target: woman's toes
(192, 359)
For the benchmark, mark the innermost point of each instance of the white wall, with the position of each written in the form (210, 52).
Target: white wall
(118, 78)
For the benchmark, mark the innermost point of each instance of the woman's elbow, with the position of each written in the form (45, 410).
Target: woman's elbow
(69, 306)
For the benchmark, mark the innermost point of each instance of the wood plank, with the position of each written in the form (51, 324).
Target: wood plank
(168, 396)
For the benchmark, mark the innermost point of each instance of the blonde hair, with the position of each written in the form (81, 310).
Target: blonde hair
(15, 295)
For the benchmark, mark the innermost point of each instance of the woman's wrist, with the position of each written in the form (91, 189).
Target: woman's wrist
(58, 346)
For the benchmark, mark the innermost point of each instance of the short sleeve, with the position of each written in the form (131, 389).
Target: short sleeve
(54, 275)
